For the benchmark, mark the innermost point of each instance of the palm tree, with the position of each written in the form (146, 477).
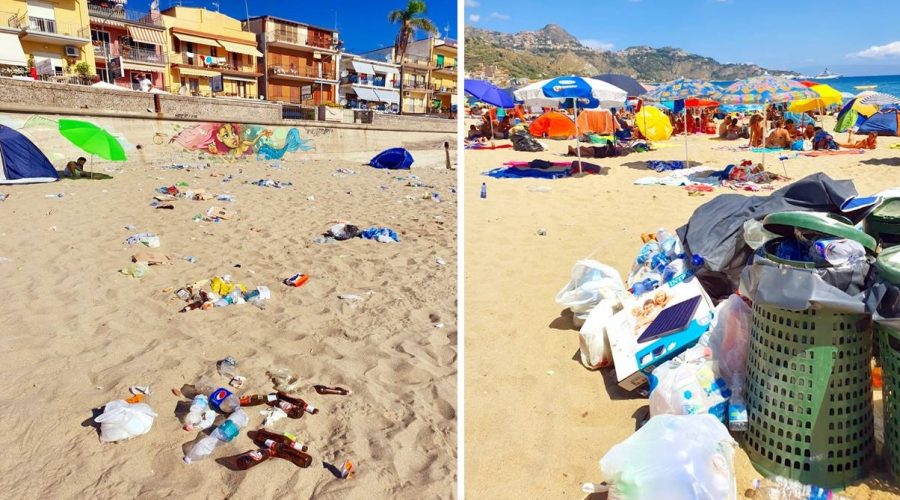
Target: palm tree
(410, 19)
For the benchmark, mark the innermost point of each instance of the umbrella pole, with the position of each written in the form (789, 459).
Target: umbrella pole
(92, 167)
(577, 144)
(686, 164)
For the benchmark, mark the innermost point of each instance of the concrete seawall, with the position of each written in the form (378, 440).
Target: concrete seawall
(151, 125)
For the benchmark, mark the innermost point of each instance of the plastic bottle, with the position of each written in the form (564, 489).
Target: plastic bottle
(286, 438)
(136, 269)
(673, 269)
(299, 458)
(837, 251)
(223, 434)
(308, 408)
(200, 416)
(219, 398)
(254, 457)
(644, 286)
(780, 488)
(226, 367)
(484, 190)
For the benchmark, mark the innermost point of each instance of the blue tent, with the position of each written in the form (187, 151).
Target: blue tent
(394, 159)
(885, 122)
(21, 162)
(624, 82)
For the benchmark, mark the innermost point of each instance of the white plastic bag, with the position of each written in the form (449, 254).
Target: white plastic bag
(688, 385)
(122, 420)
(673, 457)
(593, 342)
(591, 282)
(729, 340)
(755, 235)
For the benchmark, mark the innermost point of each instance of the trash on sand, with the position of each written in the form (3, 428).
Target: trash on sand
(296, 280)
(342, 231)
(147, 239)
(121, 420)
(339, 391)
(151, 258)
(226, 366)
(272, 183)
(4, 196)
(688, 385)
(200, 416)
(221, 293)
(440, 261)
(237, 381)
(223, 434)
(190, 258)
(283, 379)
(136, 270)
(349, 297)
(216, 214)
(347, 470)
(542, 232)
(272, 414)
(380, 234)
(57, 195)
(140, 389)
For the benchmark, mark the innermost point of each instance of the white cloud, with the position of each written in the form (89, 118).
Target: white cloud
(597, 44)
(879, 51)
(471, 3)
(474, 18)
(497, 15)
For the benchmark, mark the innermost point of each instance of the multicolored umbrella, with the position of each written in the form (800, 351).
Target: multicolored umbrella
(681, 88)
(765, 89)
(879, 99)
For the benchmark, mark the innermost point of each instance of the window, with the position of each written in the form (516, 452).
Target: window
(99, 36)
(213, 52)
(236, 60)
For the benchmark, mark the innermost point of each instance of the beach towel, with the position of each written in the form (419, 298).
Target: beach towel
(664, 165)
(541, 169)
(833, 152)
(535, 163)
(766, 150)
(485, 146)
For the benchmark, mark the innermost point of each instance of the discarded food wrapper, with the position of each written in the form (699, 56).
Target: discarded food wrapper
(272, 414)
(237, 381)
(226, 366)
(296, 280)
(347, 470)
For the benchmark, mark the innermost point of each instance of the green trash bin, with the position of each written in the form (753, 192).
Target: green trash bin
(809, 381)
(888, 335)
(883, 223)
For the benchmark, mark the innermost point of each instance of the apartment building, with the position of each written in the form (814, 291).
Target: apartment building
(128, 43)
(53, 37)
(210, 54)
(444, 74)
(417, 66)
(369, 83)
(299, 60)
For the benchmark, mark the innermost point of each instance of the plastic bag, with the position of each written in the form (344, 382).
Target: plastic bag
(755, 235)
(593, 342)
(688, 385)
(673, 457)
(121, 420)
(591, 282)
(729, 340)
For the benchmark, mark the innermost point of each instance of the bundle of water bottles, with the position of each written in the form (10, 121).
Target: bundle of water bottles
(661, 260)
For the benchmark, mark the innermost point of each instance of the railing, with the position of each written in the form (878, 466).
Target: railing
(301, 72)
(104, 14)
(199, 61)
(60, 77)
(298, 39)
(33, 24)
(128, 52)
(447, 67)
(443, 89)
(103, 49)
(416, 85)
(416, 60)
(375, 82)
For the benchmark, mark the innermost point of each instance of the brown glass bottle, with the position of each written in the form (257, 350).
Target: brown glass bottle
(299, 458)
(260, 436)
(252, 458)
(257, 399)
(303, 405)
(338, 391)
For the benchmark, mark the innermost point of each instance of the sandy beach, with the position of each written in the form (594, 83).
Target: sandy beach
(537, 421)
(77, 333)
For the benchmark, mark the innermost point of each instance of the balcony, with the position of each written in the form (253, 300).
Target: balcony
(422, 86)
(302, 73)
(50, 31)
(449, 68)
(212, 63)
(443, 89)
(380, 82)
(104, 15)
(296, 40)
(411, 60)
(129, 53)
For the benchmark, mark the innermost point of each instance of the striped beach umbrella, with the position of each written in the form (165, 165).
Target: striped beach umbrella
(682, 89)
(765, 89)
(879, 99)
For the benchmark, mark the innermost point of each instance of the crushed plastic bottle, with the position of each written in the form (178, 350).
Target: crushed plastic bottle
(223, 434)
(780, 488)
(837, 252)
(136, 269)
(219, 398)
(200, 415)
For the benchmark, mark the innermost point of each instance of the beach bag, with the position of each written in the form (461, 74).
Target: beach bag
(122, 420)
(672, 457)
(797, 145)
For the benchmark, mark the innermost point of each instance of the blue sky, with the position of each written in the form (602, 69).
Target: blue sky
(363, 25)
(854, 38)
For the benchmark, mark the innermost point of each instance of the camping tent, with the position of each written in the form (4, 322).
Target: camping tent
(598, 121)
(884, 122)
(21, 162)
(653, 124)
(553, 125)
(393, 159)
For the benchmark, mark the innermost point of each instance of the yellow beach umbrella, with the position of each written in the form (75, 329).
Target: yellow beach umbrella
(827, 95)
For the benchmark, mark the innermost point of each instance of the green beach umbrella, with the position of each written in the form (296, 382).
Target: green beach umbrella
(92, 139)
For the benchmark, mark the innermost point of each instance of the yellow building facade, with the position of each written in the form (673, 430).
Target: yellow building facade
(206, 48)
(444, 74)
(54, 37)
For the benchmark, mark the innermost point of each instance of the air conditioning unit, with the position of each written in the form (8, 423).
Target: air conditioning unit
(317, 55)
(72, 51)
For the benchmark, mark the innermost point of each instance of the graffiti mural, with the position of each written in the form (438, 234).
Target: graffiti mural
(232, 140)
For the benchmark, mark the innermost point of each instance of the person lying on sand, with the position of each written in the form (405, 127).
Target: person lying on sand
(869, 142)
(779, 138)
(75, 169)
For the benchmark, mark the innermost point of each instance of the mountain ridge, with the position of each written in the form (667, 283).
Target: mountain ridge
(552, 51)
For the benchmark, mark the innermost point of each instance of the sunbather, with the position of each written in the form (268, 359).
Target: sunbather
(75, 168)
(779, 138)
(869, 142)
(823, 140)
(756, 131)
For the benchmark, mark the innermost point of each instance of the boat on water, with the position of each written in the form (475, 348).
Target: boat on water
(866, 87)
(826, 75)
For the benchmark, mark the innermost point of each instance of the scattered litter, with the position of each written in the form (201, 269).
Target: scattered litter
(147, 239)
(542, 232)
(311, 198)
(4, 196)
(347, 470)
(190, 258)
(339, 391)
(272, 183)
(344, 171)
(550, 372)
(121, 420)
(224, 197)
(140, 389)
(342, 231)
(440, 261)
(296, 280)
(226, 366)
(272, 414)
(57, 195)
(237, 381)
(284, 380)
(136, 269)
(150, 258)
(349, 297)
(130, 227)
(380, 234)
(221, 293)
(438, 325)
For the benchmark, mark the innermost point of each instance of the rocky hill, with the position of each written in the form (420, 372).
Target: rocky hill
(552, 51)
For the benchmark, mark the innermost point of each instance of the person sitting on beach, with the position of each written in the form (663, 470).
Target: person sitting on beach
(779, 138)
(823, 140)
(474, 133)
(502, 130)
(723, 127)
(75, 168)
(869, 142)
(756, 131)
(791, 128)
(809, 131)
(735, 131)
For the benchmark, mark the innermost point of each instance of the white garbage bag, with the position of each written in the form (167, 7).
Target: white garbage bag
(673, 457)
(593, 342)
(688, 385)
(122, 420)
(729, 340)
(591, 282)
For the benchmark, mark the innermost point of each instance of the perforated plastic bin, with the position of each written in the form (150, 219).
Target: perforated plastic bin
(884, 223)
(809, 396)
(887, 331)
(809, 381)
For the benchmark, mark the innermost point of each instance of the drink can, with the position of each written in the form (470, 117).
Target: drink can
(297, 280)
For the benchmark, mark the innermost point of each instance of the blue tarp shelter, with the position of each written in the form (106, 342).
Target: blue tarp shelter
(393, 159)
(21, 162)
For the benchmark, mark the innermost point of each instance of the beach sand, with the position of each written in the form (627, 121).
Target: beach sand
(77, 333)
(537, 422)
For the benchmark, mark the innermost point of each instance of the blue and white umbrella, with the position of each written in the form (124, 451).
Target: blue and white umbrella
(550, 92)
(879, 99)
